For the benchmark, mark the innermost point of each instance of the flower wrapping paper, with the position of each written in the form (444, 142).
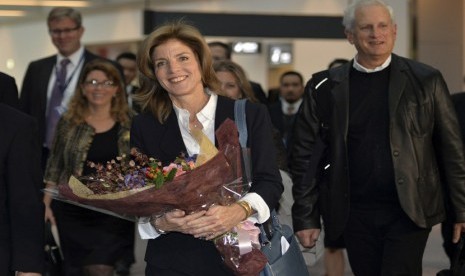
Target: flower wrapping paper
(217, 181)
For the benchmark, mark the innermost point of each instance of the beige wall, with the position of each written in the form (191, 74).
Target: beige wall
(441, 39)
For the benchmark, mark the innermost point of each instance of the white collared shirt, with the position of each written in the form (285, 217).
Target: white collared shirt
(285, 106)
(206, 116)
(361, 68)
(75, 65)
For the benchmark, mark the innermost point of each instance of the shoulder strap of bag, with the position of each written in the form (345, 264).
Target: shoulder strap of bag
(240, 119)
(241, 123)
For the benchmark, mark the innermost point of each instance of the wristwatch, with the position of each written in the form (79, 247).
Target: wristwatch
(158, 230)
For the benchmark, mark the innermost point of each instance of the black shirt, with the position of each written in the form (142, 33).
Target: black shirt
(371, 170)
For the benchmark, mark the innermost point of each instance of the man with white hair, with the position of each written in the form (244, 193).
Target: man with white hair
(393, 151)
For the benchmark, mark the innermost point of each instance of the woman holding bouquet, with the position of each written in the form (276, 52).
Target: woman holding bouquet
(95, 128)
(177, 94)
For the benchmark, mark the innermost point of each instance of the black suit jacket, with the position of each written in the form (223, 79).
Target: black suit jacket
(33, 98)
(8, 90)
(277, 118)
(276, 115)
(181, 252)
(21, 207)
(258, 92)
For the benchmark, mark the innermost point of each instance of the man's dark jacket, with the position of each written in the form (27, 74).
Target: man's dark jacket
(8, 91)
(424, 141)
(21, 208)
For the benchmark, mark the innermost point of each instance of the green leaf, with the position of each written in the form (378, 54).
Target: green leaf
(171, 175)
(159, 181)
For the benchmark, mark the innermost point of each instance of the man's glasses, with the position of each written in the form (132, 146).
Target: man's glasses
(96, 84)
(58, 32)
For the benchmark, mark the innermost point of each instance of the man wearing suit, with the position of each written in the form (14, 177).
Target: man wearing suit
(391, 133)
(128, 62)
(283, 112)
(65, 29)
(21, 207)
(8, 90)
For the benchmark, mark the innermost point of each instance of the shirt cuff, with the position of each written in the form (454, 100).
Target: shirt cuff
(258, 204)
(147, 231)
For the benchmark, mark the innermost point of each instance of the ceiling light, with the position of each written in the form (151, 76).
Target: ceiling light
(45, 3)
(246, 47)
(12, 13)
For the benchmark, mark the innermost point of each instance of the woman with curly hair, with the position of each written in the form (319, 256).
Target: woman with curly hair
(95, 128)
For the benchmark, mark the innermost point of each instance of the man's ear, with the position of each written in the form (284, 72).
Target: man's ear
(350, 36)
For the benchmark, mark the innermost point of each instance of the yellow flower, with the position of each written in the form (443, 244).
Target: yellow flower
(126, 136)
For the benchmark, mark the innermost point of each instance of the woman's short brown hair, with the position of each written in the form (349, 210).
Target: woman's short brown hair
(152, 96)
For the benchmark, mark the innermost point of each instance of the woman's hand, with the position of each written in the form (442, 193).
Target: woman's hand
(216, 221)
(48, 209)
(49, 215)
(176, 221)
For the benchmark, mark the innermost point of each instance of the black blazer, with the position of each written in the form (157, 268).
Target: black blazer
(21, 207)
(33, 98)
(277, 119)
(8, 90)
(181, 252)
(276, 115)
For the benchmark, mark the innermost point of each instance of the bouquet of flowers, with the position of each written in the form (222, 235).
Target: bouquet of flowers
(141, 187)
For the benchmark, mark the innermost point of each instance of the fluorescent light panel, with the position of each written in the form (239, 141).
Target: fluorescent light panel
(45, 3)
(12, 13)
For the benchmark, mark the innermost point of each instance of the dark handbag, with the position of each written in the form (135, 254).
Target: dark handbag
(53, 257)
(457, 267)
(292, 262)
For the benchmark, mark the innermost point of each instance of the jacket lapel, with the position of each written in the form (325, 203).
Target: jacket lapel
(172, 144)
(224, 110)
(340, 94)
(397, 81)
(43, 75)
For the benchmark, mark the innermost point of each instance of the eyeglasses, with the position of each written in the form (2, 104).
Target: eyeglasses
(58, 32)
(96, 84)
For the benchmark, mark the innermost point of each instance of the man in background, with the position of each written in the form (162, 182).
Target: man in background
(21, 208)
(8, 91)
(50, 82)
(128, 62)
(283, 112)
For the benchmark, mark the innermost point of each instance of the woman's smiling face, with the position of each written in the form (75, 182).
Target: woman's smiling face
(177, 68)
(99, 89)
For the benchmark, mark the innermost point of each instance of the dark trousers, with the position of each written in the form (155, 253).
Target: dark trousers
(384, 241)
(447, 229)
(151, 270)
(45, 153)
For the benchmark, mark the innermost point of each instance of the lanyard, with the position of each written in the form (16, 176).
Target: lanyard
(68, 80)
